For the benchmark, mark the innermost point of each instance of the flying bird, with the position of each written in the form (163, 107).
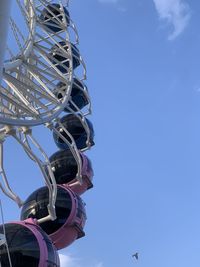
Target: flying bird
(135, 255)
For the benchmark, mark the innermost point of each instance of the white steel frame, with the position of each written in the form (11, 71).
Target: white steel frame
(27, 97)
(4, 20)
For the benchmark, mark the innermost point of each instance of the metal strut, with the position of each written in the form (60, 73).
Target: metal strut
(4, 22)
(3, 240)
(6, 188)
(45, 168)
(72, 146)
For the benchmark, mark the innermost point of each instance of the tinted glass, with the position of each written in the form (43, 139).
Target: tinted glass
(77, 96)
(57, 53)
(73, 125)
(51, 22)
(23, 247)
(64, 165)
(81, 209)
(76, 129)
(36, 207)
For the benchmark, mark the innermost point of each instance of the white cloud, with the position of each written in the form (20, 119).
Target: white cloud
(69, 261)
(176, 13)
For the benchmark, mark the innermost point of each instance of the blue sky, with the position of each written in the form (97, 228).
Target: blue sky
(143, 78)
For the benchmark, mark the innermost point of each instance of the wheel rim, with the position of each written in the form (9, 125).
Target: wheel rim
(31, 75)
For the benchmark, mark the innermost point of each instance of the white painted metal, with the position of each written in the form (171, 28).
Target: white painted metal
(4, 19)
(31, 75)
(27, 92)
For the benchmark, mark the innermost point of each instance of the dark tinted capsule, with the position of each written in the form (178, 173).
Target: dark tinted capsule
(75, 127)
(52, 16)
(78, 95)
(28, 245)
(62, 59)
(70, 214)
(64, 167)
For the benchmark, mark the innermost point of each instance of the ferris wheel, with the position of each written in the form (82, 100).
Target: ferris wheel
(43, 83)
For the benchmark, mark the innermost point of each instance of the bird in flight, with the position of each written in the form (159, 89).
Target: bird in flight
(135, 255)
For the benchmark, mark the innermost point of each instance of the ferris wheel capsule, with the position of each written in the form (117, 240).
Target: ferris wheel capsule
(27, 245)
(79, 96)
(59, 56)
(52, 17)
(70, 212)
(64, 168)
(81, 131)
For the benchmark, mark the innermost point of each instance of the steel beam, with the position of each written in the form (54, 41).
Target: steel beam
(4, 21)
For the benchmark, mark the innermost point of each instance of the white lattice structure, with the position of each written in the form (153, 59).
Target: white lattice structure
(40, 60)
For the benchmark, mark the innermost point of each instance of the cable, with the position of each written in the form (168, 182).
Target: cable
(4, 232)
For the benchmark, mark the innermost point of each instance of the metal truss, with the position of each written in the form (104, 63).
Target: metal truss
(43, 58)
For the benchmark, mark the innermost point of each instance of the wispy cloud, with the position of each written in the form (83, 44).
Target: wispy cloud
(176, 13)
(69, 261)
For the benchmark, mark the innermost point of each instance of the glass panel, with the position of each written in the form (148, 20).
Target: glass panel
(39, 210)
(23, 247)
